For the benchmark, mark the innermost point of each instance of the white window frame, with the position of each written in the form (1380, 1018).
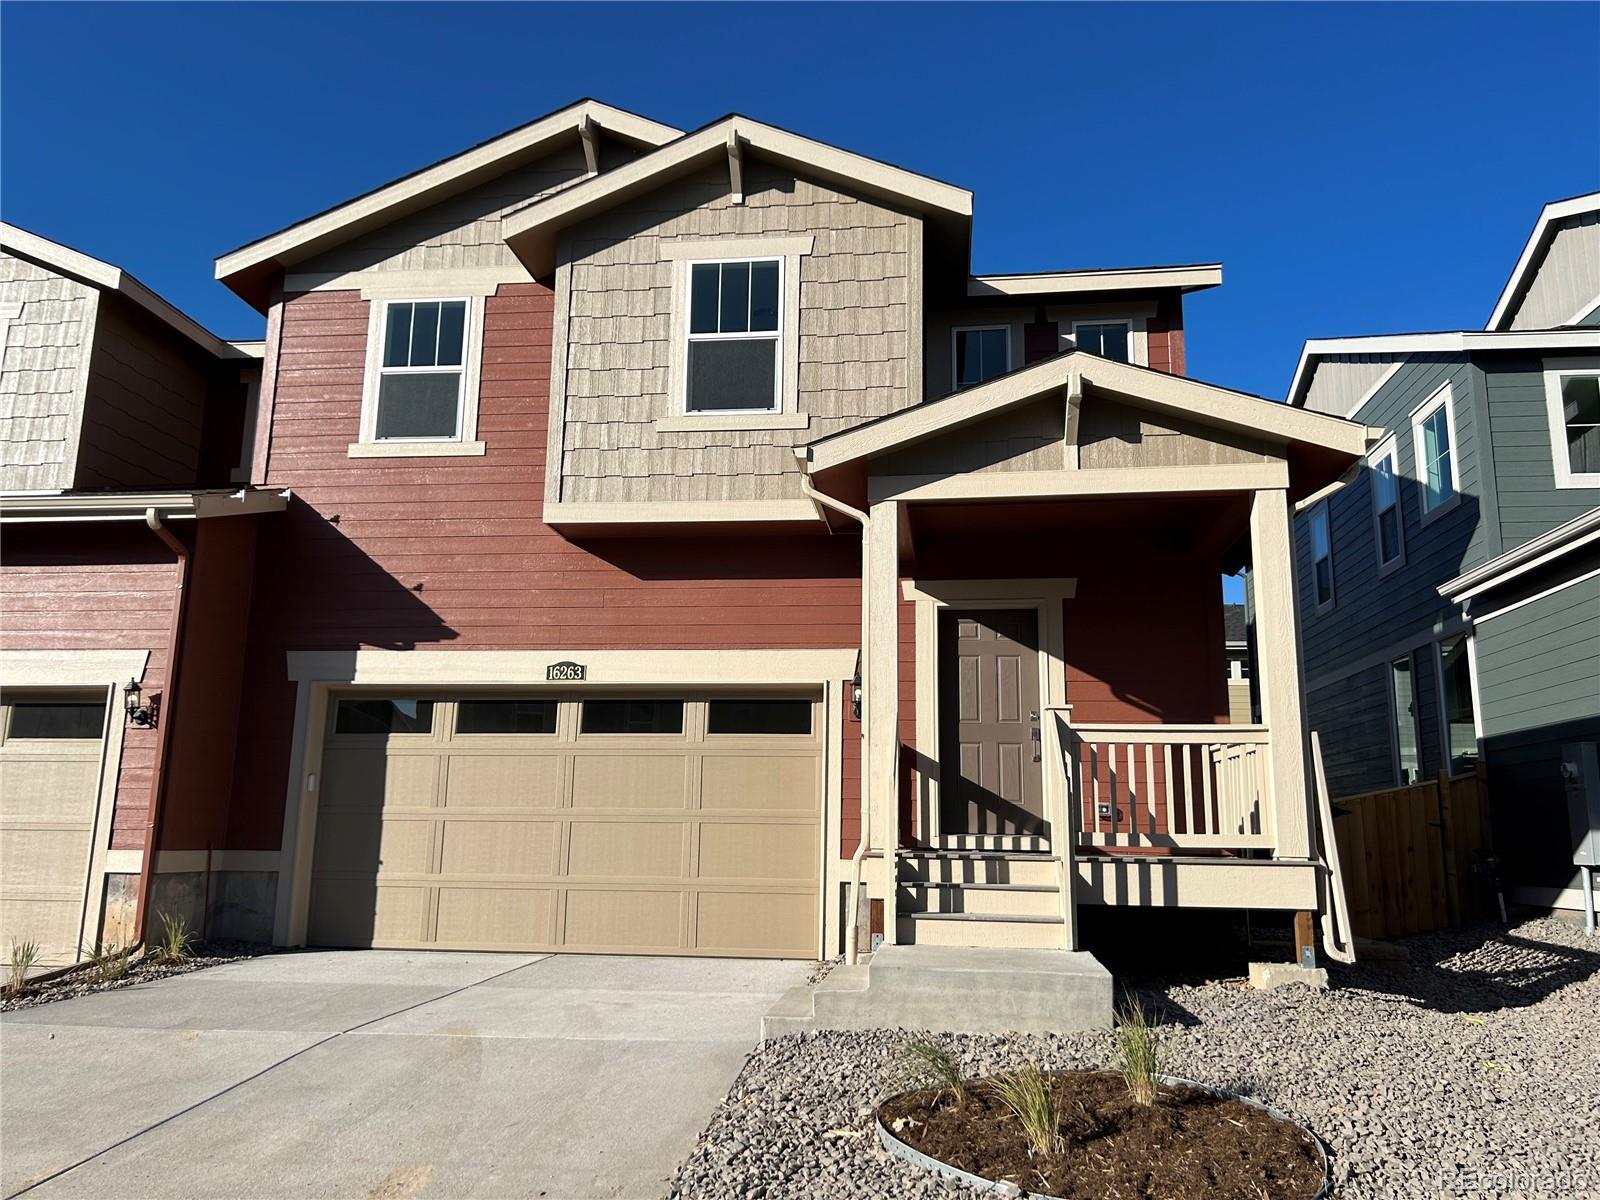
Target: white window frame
(685, 255)
(1470, 647)
(1135, 356)
(1443, 398)
(1395, 717)
(466, 440)
(1389, 449)
(774, 336)
(1322, 510)
(955, 359)
(1556, 369)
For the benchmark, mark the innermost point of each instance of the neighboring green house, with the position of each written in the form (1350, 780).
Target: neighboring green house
(1449, 588)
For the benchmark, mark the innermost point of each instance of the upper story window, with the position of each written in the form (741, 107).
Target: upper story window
(1572, 397)
(735, 336)
(981, 352)
(420, 396)
(1433, 432)
(1321, 557)
(1384, 464)
(1108, 339)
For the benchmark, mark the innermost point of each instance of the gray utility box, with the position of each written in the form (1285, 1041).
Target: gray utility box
(1580, 775)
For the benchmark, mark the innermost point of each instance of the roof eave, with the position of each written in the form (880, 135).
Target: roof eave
(200, 503)
(1187, 278)
(1533, 250)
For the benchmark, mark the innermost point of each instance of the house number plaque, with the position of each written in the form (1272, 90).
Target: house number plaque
(566, 672)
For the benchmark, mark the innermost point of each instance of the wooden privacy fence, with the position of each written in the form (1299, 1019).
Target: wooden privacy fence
(1417, 858)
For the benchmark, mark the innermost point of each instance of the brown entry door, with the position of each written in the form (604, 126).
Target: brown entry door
(990, 779)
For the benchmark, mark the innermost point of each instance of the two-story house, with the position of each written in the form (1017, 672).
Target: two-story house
(1463, 559)
(687, 552)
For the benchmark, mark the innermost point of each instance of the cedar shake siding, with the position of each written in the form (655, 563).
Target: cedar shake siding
(451, 553)
(96, 587)
(855, 328)
(46, 349)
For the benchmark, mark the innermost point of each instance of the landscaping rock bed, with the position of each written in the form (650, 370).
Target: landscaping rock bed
(142, 968)
(1477, 1071)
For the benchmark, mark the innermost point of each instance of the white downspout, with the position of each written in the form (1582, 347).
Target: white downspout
(852, 929)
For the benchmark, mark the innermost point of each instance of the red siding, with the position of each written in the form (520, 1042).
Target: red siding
(1165, 336)
(100, 587)
(451, 553)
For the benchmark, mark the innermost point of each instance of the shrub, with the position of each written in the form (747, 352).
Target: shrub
(1140, 1058)
(108, 963)
(927, 1064)
(24, 957)
(1031, 1099)
(176, 940)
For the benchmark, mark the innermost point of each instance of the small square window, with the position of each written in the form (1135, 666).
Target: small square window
(1107, 339)
(981, 354)
(774, 716)
(1580, 422)
(632, 716)
(57, 720)
(383, 716)
(506, 716)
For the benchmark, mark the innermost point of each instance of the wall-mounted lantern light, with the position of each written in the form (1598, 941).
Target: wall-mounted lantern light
(855, 695)
(142, 715)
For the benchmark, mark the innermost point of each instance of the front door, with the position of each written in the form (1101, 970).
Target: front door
(990, 779)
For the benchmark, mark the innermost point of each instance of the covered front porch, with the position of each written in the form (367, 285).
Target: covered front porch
(1045, 716)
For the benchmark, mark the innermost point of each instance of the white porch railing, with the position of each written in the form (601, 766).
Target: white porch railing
(1180, 786)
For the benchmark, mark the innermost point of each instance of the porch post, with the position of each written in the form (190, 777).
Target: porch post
(1278, 668)
(880, 773)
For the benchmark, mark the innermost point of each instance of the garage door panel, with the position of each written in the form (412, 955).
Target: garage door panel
(373, 777)
(624, 780)
(362, 912)
(50, 789)
(627, 850)
(499, 848)
(745, 922)
(747, 850)
(52, 925)
(518, 917)
(355, 843)
(530, 781)
(45, 861)
(635, 920)
(762, 783)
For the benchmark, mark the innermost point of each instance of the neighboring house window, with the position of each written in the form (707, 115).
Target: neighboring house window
(1572, 396)
(1433, 430)
(1403, 720)
(1456, 706)
(735, 336)
(1321, 557)
(981, 353)
(421, 391)
(1108, 339)
(1390, 536)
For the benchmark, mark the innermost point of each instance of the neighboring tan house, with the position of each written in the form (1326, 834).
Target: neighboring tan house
(1450, 592)
(1236, 648)
(122, 424)
(687, 552)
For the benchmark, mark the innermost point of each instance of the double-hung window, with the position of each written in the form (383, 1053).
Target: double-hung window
(1456, 707)
(981, 353)
(1433, 431)
(1389, 533)
(1321, 557)
(735, 336)
(1572, 396)
(1108, 339)
(1403, 721)
(421, 375)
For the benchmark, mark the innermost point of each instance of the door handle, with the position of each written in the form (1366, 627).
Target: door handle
(1038, 746)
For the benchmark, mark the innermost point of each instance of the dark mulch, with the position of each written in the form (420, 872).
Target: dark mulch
(1188, 1145)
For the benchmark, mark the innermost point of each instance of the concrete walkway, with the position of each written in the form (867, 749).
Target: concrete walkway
(379, 1074)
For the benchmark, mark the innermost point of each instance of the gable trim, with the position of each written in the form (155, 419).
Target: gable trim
(1534, 251)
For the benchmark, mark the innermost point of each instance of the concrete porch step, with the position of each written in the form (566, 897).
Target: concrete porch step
(954, 989)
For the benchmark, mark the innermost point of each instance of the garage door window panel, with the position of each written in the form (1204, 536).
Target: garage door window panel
(632, 716)
(383, 716)
(759, 717)
(56, 721)
(506, 716)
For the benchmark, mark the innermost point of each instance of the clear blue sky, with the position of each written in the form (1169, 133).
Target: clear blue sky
(1356, 168)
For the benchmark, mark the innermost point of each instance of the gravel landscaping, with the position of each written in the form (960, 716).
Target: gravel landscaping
(1475, 1072)
(144, 968)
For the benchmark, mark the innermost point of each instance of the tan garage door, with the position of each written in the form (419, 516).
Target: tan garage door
(652, 824)
(49, 786)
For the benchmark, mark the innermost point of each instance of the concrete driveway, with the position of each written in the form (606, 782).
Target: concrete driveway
(381, 1074)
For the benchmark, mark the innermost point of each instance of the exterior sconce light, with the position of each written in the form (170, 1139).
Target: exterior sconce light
(142, 715)
(855, 695)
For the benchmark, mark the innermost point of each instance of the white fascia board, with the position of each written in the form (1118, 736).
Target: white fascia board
(1188, 278)
(531, 231)
(1187, 397)
(111, 278)
(1460, 342)
(305, 236)
(1561, 540)
(1534, 249)
(132, 506)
